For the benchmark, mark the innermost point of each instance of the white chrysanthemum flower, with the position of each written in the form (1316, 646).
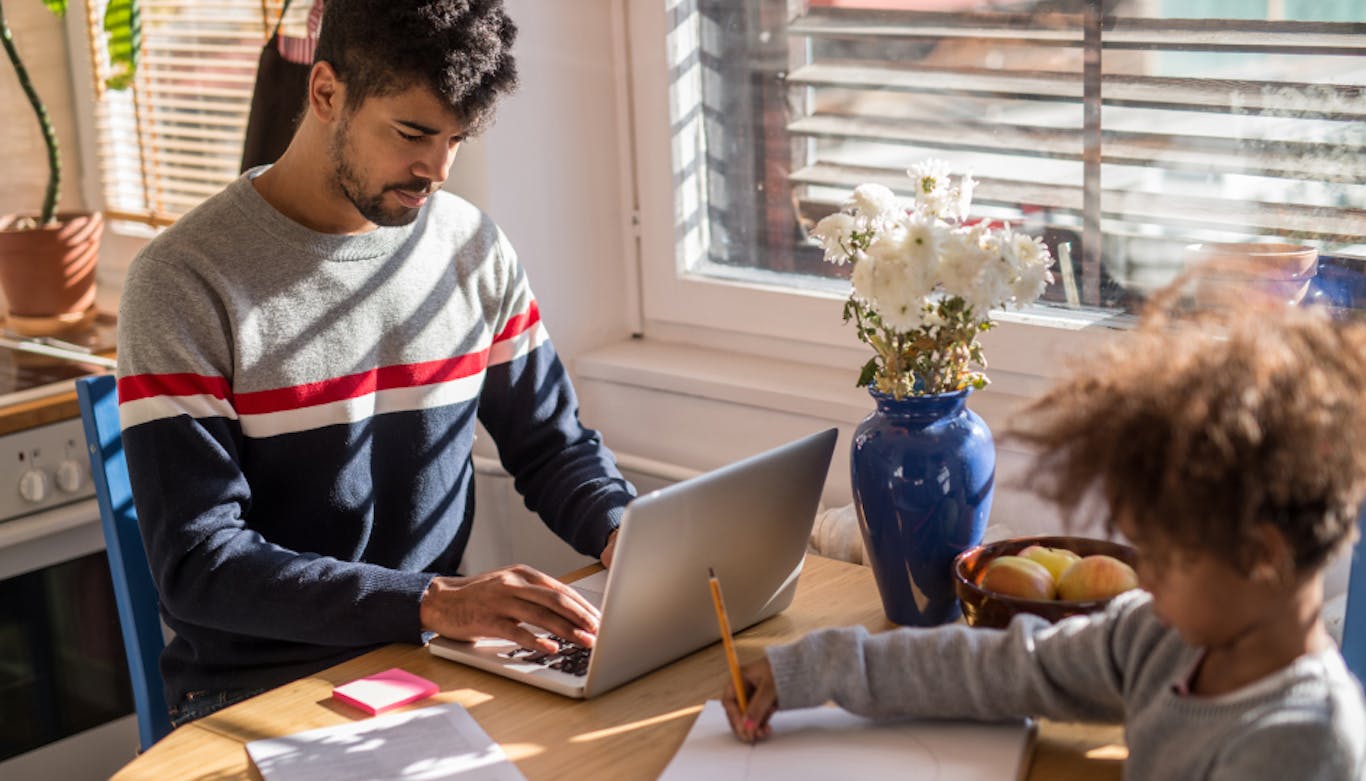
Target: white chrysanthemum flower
(905, 314)
(988, 238)
(921, 239)
(888, 244)
(1029, 251)
(1024, 246)
(992, 286)
(998, 272)
(931, 176)
(962, 196)
(1030, 284)
(833, 232)
(934, 193)
(898, 302)
(962, 259)
(874, 203)
(889, 282)
(862, 277)
(940, 205)
(1031, 268)
(921, 246)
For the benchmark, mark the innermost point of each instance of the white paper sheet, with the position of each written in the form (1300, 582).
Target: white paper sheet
(826, 743)
(442, 742)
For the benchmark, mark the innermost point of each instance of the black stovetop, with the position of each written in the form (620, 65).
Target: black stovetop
(22, 373)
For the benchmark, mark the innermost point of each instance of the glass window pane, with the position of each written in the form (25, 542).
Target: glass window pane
(1210, 121)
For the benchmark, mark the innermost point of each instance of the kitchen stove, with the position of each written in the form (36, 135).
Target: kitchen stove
(47, 467)
(42, 448)
(66, 707)
(26, 376)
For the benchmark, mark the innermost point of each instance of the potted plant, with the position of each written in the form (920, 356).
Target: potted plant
(47, 259)
(925, 281)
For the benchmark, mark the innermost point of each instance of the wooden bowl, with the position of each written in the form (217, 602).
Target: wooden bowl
(991, 609)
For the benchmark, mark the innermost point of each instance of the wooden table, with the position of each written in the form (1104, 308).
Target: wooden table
(629, 733)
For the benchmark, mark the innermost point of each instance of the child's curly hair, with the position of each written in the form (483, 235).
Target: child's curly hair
(1201, 427)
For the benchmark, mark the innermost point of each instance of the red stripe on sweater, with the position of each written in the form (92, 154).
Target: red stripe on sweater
(360, 384)
(520, 324)
(310, 394)
(142, 386)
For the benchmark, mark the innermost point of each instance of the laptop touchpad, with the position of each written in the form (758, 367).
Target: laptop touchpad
(592, 587)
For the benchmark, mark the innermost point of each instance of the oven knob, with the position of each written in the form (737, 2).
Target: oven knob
(33, 485)
(70, 476)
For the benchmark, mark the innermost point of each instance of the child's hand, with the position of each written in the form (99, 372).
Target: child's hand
(752, 725)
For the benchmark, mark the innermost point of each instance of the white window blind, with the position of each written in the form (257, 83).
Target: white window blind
(1126, 130)
(175, 137)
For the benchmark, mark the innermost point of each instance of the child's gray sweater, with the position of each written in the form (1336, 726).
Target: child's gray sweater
(1305, 722)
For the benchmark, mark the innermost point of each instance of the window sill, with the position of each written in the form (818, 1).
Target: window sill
(701, 407)
(825, 392)
(820, 390)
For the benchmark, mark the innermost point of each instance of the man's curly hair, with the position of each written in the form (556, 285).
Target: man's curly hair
(1200, 427)
(460, 49)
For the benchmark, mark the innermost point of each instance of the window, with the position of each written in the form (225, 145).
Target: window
(1121, 131)
(175, 137)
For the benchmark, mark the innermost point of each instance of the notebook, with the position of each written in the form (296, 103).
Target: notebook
(441, 742)
(824, 743)
(748, 521)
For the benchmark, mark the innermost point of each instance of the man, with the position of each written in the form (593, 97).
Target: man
(302, 361)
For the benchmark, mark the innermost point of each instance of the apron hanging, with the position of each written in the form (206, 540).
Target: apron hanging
(277, 101)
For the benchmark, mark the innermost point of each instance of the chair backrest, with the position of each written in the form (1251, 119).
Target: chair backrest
(134, 592)
(1354, 623)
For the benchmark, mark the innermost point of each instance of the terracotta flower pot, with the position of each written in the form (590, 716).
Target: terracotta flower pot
(48, 272)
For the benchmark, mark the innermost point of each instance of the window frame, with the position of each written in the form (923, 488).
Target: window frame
(802, 325)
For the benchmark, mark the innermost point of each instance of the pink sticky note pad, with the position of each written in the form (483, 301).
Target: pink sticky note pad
(384, 691)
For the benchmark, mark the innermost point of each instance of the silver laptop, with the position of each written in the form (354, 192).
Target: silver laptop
(748, 521)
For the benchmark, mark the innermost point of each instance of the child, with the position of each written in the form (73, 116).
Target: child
(1233, 456)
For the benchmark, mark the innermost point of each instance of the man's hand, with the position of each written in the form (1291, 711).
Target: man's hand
(611, 550)
(495, 603)
(752, 725)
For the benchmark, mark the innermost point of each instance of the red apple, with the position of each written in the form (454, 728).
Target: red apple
(1055, 560)
(1017, 576)
(1096, 577)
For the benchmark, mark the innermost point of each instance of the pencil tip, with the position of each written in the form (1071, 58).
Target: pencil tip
(711, 573)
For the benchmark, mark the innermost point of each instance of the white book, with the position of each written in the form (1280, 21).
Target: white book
(441, 742)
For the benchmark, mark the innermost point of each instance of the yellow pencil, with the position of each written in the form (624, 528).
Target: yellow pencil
(727, 641)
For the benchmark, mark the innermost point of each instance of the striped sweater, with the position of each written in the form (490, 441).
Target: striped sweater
(298, 411)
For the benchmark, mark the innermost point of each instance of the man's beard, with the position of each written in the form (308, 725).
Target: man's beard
(371, 207)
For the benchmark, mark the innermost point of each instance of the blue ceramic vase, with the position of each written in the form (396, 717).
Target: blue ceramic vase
(923, 469)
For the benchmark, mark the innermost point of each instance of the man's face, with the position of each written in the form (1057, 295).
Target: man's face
(390, 153)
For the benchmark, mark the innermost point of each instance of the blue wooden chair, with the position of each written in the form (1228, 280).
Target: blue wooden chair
(1354, 624)
(134, 592)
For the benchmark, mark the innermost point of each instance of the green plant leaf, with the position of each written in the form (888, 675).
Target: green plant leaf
(866, 375)
(57, 7)
(123, 24)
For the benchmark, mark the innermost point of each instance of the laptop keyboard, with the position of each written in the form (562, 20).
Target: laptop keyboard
(571, 658)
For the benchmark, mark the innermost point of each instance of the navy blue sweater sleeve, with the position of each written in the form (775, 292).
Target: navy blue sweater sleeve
(561, 468)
